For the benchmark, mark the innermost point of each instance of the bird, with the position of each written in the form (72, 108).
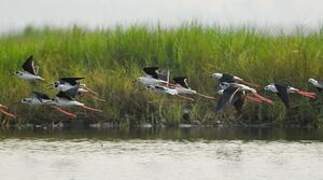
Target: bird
(235, 94)
(316, 83)
(283, 92)
(183, 88)
(68, 83)
(30, 71)
(67, 99)
(42, 99)
(4, 110)
(152, 76)
(228, 78)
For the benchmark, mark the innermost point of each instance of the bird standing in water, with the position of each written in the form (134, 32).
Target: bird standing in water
(30, 71)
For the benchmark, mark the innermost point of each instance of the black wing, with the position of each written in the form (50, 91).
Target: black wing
(226, 97)
(40, 96)
(228, 78)
(152, 71)
(71, 80)
(238, 101)
(181, 81)
(283, 94)
(29, 65)
(64, 95)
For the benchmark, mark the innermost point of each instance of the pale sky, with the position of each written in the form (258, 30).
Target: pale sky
(16, 14)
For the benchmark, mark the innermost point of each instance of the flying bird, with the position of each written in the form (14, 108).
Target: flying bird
(235, 94)
(152, 76)
(283, 92)
(228, 78)
(67, 83)
(30, 71)
(183, 88)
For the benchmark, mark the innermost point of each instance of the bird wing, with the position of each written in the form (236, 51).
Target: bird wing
(29, 66)
(238, 101)
(226, 98)
(40, 96)
(64, 95)
(152, 71)
(71, 80)
(227, 78)
(283, 94)
(181, 81)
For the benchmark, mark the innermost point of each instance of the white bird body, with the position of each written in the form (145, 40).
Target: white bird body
(272, 88)
(62, 102)
(149, 81)
(218, 76)
(183, 90)
(35, 101)
(28, 76)
(316, 83)
(163, 89)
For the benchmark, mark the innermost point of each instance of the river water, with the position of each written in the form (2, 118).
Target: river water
(226, 154)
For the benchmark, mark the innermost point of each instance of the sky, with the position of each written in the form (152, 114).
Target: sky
(285, 14)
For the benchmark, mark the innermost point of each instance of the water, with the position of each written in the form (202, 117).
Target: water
(286, 14)
(226, 154)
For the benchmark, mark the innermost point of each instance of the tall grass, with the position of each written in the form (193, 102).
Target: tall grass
(111, 59)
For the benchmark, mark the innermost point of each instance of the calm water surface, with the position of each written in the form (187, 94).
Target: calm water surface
(164, 154)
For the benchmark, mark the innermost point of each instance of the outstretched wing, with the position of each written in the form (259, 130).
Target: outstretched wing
(152, 71)
(283, 94)
(40, 96)
(226, 98)
(71, 80)
(181, 81)
(29, 66)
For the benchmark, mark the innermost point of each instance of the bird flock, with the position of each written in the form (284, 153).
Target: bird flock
(232, 90)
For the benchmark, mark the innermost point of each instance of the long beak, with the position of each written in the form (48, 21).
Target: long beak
(69, 114)
(205, 96)
(310, 95)
(7, 113)
(91, 109)
(186, 98)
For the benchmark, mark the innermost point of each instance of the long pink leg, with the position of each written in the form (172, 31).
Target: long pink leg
(91, 91)
(311, 95)
(95, 97)
(69, 114)
(91, 109)
(268, 101)
(254, 99)
(205, 96)
(7, 113)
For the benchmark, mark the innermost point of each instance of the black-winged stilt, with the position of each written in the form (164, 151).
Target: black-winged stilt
(30, 71)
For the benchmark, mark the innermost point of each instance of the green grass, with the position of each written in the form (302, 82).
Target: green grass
(111, 59)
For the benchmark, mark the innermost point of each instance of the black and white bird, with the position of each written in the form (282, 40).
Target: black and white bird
(30, 71)
(182, 87)
(316, 83)
(283, 92)
(235, 94)
(67, 99)
(228, 78)
(67, 83)
(41, 99)
(4, 110)
(37, 99)
(153, 77)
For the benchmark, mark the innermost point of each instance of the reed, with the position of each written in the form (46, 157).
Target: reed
(111, 59)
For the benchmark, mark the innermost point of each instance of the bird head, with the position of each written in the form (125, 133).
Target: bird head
(217, 76)
(312, 81)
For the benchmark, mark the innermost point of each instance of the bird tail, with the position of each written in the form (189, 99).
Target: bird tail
(311, 95)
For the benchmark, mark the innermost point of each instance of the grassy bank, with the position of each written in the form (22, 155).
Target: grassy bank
(111, 59)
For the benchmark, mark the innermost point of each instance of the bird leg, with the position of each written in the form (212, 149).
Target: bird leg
(91, 91)
(254, 99)
(3, 107)
(7, 113)
(266, 100)
(205, 96)
(94, 97)
(310, 95)
(184, 97)
(69, 114)
(91, 109)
